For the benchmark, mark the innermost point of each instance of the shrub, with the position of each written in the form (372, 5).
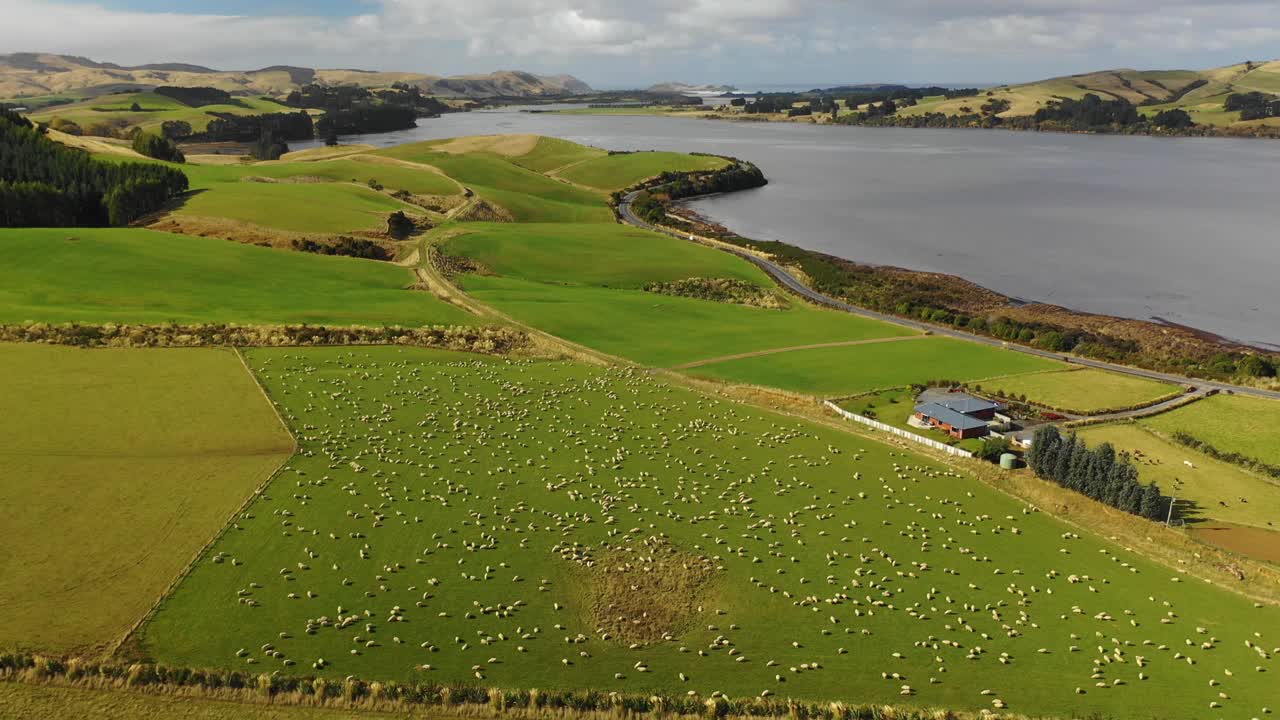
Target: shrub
(160, 148)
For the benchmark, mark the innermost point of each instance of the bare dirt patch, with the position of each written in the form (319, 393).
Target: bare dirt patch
(485, 211)
(647, 593)
(1257, 543)
(226, 229)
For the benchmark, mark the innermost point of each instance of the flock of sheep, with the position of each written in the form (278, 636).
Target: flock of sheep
(449, 519)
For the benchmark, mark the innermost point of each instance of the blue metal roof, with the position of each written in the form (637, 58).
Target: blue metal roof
(950, 417)
(966, 404)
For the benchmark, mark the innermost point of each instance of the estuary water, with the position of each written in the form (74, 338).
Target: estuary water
(1184, 231)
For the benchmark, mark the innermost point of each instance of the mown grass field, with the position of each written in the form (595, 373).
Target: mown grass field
(1220, 491)
(19, 701)
(130, 275)
(858, 369)
(614, 172)
(615, 256)
(118, 466)
(1083, 390)
(473, 520)
(1230, 423)
(663, 330)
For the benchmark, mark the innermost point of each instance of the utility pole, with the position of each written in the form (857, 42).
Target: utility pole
(1172, 502)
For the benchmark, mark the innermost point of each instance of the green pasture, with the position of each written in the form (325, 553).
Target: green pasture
(530, 196)
(327, 196)
(616, 256)
(118, 466)
(326, 208)
(129, 275)
(663, 330)
(855, 369)
(1231, 423)
(1083, 390)
(359, 169)
(459, 519)
(1219, 490)
(553, 153)
(614, 172)
(155, 110)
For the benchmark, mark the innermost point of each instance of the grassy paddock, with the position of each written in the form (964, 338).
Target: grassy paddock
(1231, 423)
(550, 154)
(142, 276)
(119, 465)
(664, 330)
(614, 256)
(863, 368)
(614, 172)
(450, 506)
(1084, 390)
(1220, 491)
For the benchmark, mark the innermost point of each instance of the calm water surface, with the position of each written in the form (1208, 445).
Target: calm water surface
(1180, 230)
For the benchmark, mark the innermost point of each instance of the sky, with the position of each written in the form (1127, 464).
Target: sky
(630, 43)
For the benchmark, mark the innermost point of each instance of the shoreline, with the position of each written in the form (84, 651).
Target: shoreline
(954, 305)
(922, 122)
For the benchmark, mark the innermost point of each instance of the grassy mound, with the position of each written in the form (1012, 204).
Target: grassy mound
(614, 172)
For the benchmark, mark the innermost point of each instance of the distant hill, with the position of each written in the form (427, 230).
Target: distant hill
(686, 89)
(38, 74)
(1199, 92)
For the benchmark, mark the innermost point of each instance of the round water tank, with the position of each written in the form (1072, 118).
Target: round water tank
(1008, 461)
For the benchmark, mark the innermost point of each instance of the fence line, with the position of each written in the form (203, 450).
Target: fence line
(898, 431)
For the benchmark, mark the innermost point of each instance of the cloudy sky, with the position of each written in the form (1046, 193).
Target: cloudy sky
(613, 43)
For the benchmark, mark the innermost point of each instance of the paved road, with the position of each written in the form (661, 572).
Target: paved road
(788, 281)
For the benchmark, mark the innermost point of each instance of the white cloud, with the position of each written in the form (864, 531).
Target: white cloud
(674, 35)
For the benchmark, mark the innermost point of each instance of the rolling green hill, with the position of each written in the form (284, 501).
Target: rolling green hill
(1200, 92)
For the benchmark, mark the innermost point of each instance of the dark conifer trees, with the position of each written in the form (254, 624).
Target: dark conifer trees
(1099, 473)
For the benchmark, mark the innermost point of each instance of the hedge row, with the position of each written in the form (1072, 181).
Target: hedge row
(495, 340)
(355, 693)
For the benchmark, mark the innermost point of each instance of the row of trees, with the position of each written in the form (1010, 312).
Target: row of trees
(197, 96)
(1089, 112)
(46, 184)
(1253, 105)
(366, 119)
(1098, 473)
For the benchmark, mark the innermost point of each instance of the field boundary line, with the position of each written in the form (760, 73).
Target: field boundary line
(920, 439)
(257, 492)
(775, 351)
